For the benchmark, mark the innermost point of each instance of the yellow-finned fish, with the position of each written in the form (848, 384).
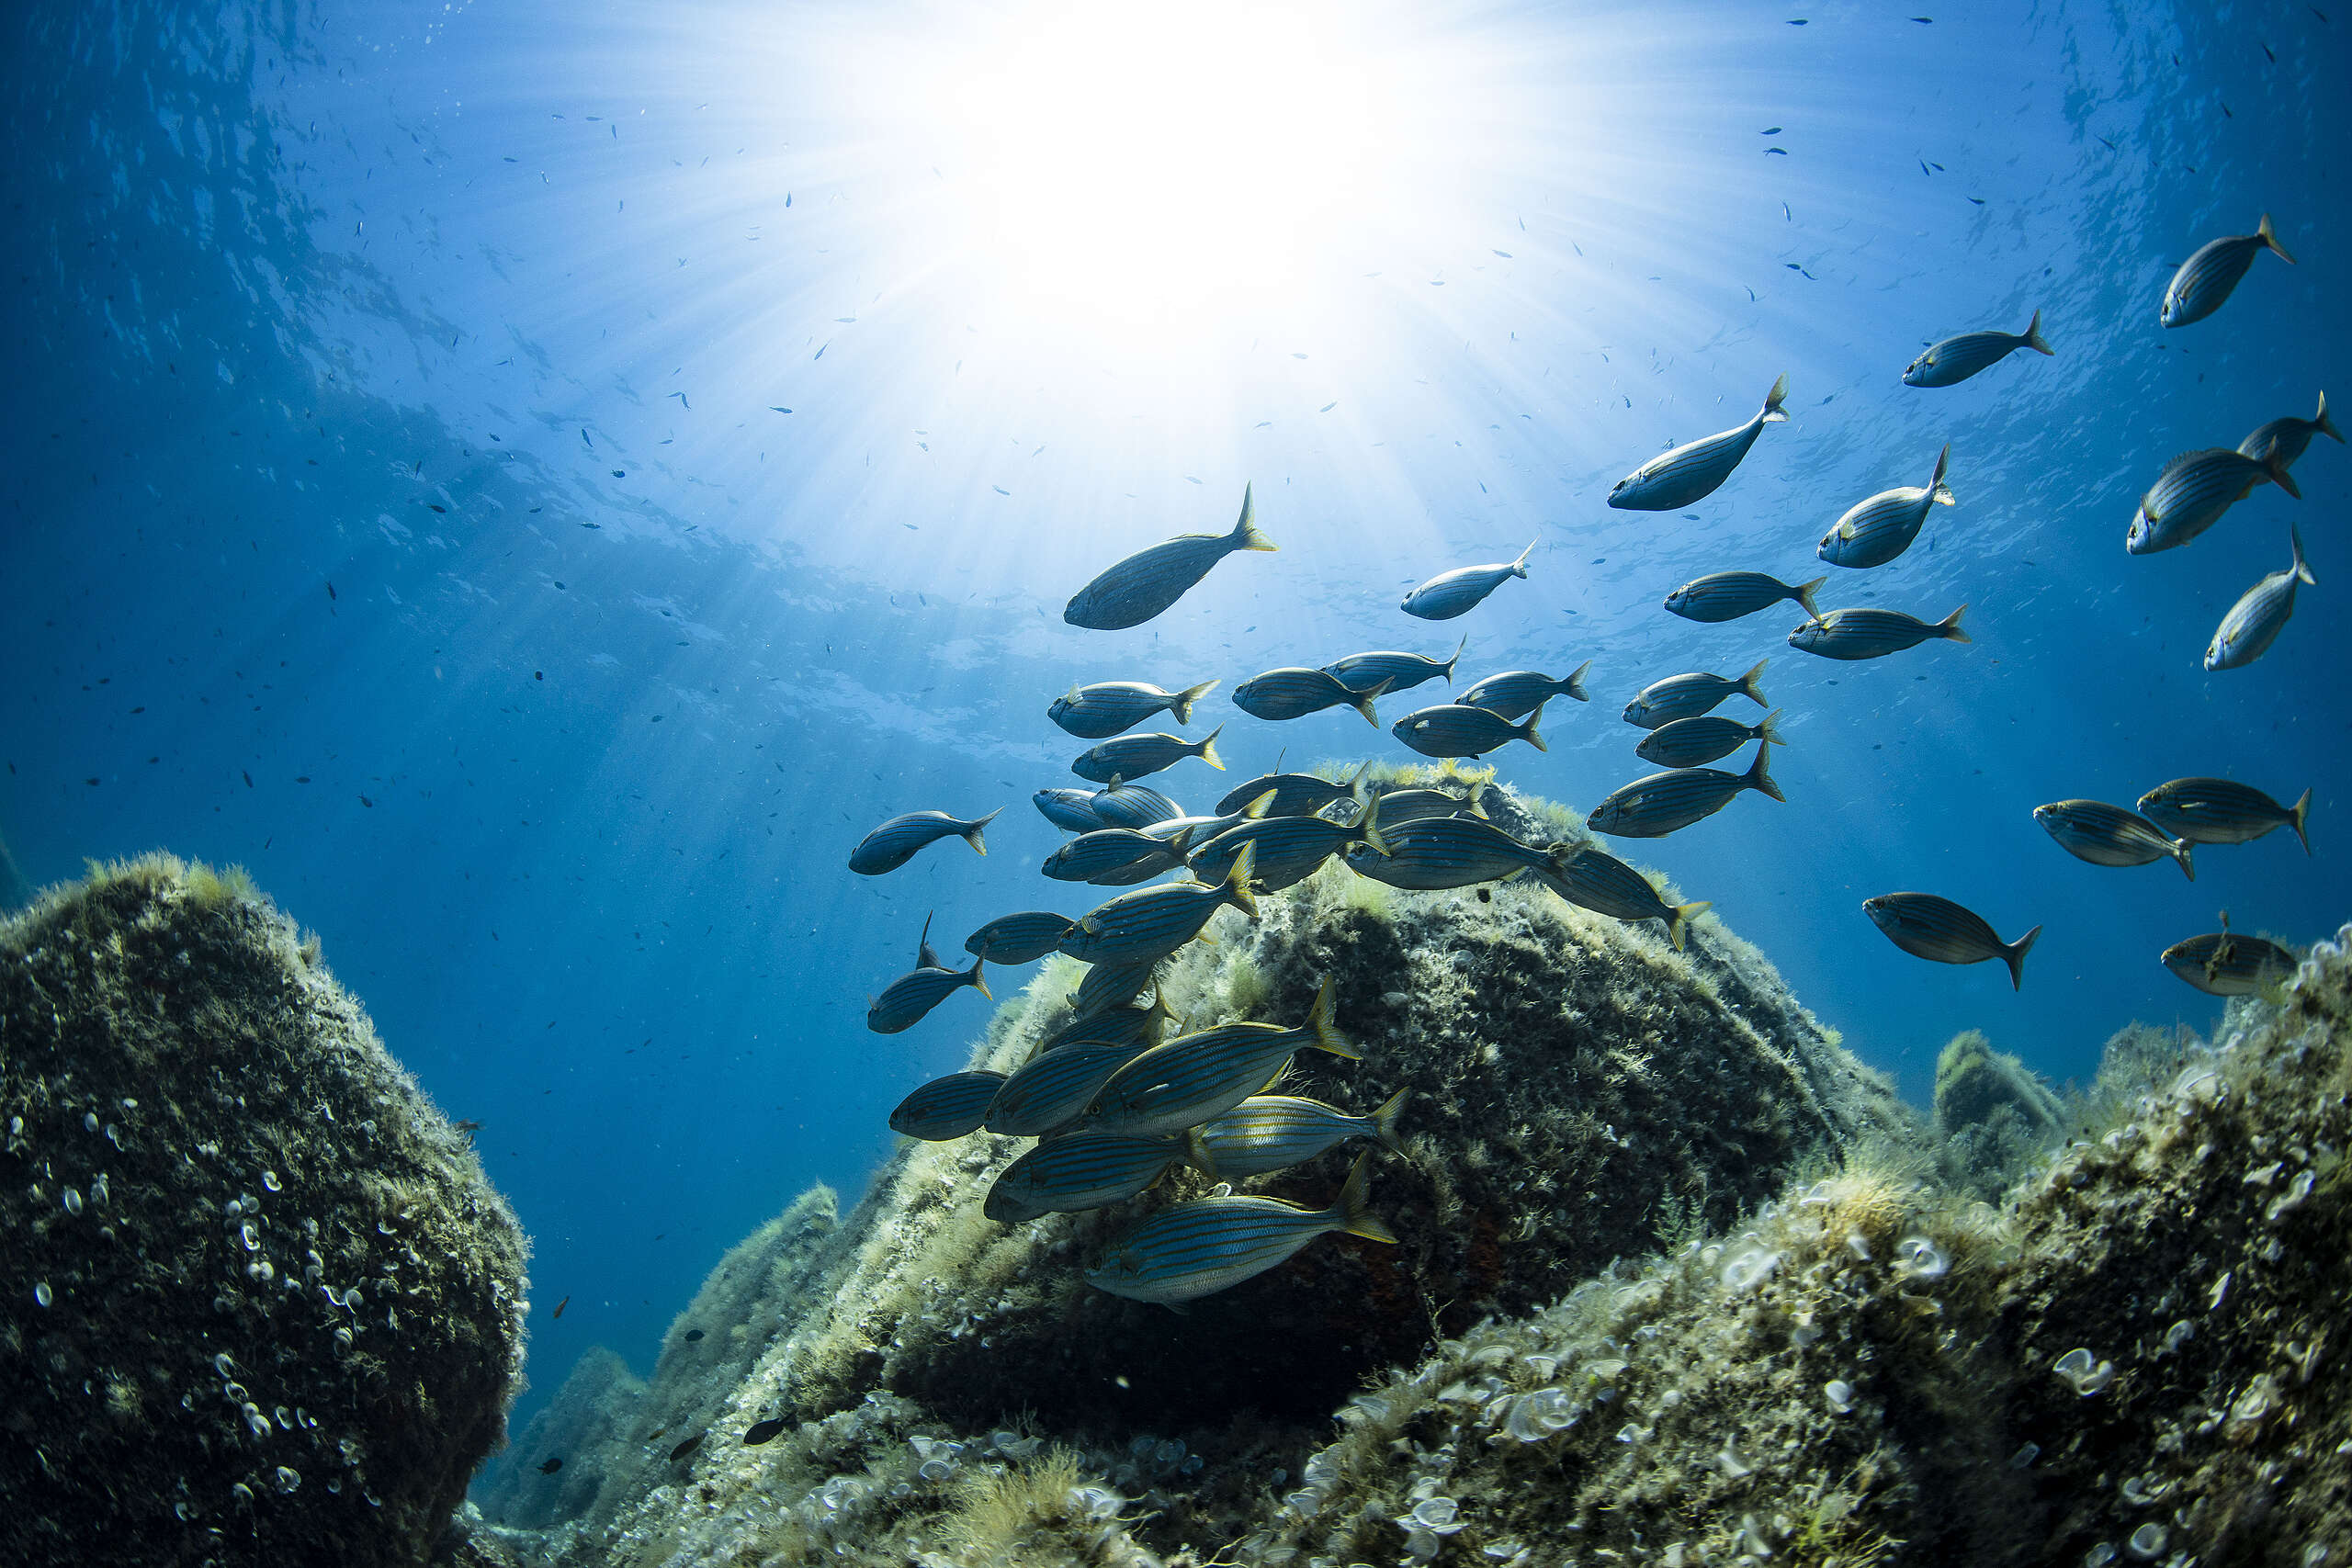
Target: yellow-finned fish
(1274, 1132)
(1194, 1077)
(1199, 1249)
(1135, 590)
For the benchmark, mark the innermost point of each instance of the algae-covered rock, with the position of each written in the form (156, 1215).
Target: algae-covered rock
(259, 1302)
(1994, 1115)
(584, 1428)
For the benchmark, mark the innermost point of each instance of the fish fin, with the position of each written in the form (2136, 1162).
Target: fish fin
(1370, 824)
(1466, 635)
(2297, 815)
(1355, 1217)
(1950, 627)
(2277, 473)
(1237, 881)
(2269, 237)
(1748, 688)
(2033, 338)
(1802, 594)
(1576, 681)
(1773, 412)
(1180, 710)
(1256, 808)
(1679, 921)
(1326, 1027)
(1245, 534)
(2324, 424)
(1071, 695)
(1362, 703)
(925, 958)
(972, 833)
(1479, 795)
(1383, 1122)
(1207, 751)
(973, 979)
(1527, 731)
(2301, 567)
(2180, 848)
(1197, 1153)
(1116, 780)
(1939, 492)
(1206, 935)
(1768, 731)
(2014, 956)
(1758, 778)
(1518, 567)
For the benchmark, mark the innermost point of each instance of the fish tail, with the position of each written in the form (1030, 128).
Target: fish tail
(1197, 1153)
(1803, 594)
(1370, 825)
(1479, 795)
(2269, 237)
(2297, 816)
(1245, 534)
(972, 978)
(1466, 635)
(972, 833)
(1773, 412)
(1327, 1030)
(2277, 473)
(1182, 708)
(1257, 807)
(1383, 1122)
(1950, 627)
(1939, 492)
(1749, 689)
(2033, 338)
(2180, 848)
(2324, 424)
(2014, 956)
(1518, 568)
(1679, 921)
(1353, 1212)
(1758, 778)
(2301, 567)
(1237, 881)
(1207, 750)
(1362, 703)
(1576, 683)
(1768, 732)
(1527, 731)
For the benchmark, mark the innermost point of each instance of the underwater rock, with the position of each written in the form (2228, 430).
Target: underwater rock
(587, 1425)
(258, 1299)
(1994, 1115)
(15, 891)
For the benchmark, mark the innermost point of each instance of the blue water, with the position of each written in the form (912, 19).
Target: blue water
(350, 529)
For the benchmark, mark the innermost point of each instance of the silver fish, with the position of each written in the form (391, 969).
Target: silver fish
(1515, 693)
(1288, 849)
(1116, 855)
(1295, 795)
(894, 843)
(2286, 439)
(1872, 633)
(1054, 1087)
(1662, 802)
(1955, 360)
(1199, 1249)
(2205, 279)
(1436, 852)
(1019, 939)
(1106, 707)
(1111, 1026)
(1149, 582)
(2108, 835)
(1728, 595)
(1456, 730)
(1070, 808)
(1294, 693)
(1133, 756)
(947, 1107)
(2193, 492)
(1152, 922)
(1694, 742)
(1928, 927)
(1688, 696)
(1693, 471)
(1124, 805)
(1109, 988)
(1185, 833)
(1268, 1132)
(1183, 1082)
(1457, 593)
(1084, 1170)
(906, 999)
(1394, 672)
(1593, 879)
(1874, 531)
(2224, 964)
(2221, 811)
(2254, 622)
(1400, 806)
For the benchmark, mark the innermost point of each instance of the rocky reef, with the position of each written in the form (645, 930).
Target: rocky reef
(259, 1302)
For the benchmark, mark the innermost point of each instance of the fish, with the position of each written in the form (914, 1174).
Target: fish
(1456, 730)
(559, 1306)
(894, 843)
(2108, 835)
(906, 999)
(2220, 811)
(1120, 1025)
(1124, 805)
(1106, 707)
(1654, 807)
(1070, 808)
(1411, 804)
(1268, 1132)
(682, 1450)
(1183, 1082)
(1515, 693)
(2254, 622)
(1393, 672)
(947, 1107)
(1687, 696)
(1437, 852)
(1212, 1244)
(1874, 531)
(1293, 691)
(1135, 590)
(2286, 439)
(1955, 360)
(693, 1335)
(2224, 963)
(1019, 939)
(1457, 593)
(1133, 756)
(1872, 633)
(1591, 878)
(1185, 832)
(552, 1467)
(1728, 595)
(1926, 926)
(1295, 795)
(760, 1432)
(1152, 922)
(1083, 1171)
(1696, 470)
(1288, 850)
(1055, 1088)
(2205, 279)
(2193, 492)
(1111, 987)
(1115, 855)
(1694, 742)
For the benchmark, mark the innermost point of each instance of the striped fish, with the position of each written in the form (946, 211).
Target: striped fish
(1108, 987)
(2219, 811)
(1394, 672)
(2205, 279)
(1928, 927)
(1199, 1249)
(2254, 622)
(1133, 756)
(1149, 582)
(1106, 707)
(1124, 805)
(1955, 360)
(1694, 742)
(1688, 696)
(1295, 795)
(1593, 879)
(1114, 855)
(1515, 693)
(2108, 835)
(1184, 832)
(1069, 808)
(1728, 595)
(1456, 730)
(2193, 492)
(1294, 693)
(1872, 633)
(947, 1107)
(1183, 1082)
(1659, 805)
(1398, 806)
(1693, 471)
(1459, 591)
(1152, 922)
(1874, 531)
(1437, 852)
(1054, 1087)
(1111, 1026)
(1018, 938)
(1286, 850)
(906, 999)
(2286, 439)
(1084, 1170)
(2224, 964)
(1274, 1132)
(894, 843)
